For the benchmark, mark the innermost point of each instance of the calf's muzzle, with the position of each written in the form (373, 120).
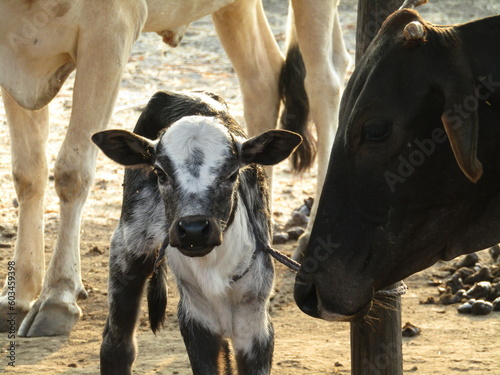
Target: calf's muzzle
(195, 235)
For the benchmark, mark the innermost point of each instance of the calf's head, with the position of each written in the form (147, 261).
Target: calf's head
(197, 161)
(414, 170)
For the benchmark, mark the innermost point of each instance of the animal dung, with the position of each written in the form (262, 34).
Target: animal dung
(466, 308)
(295, 232)
(495, 253)
(298, 219)
(469, 260)
(475, 307)
(464, 272)
(8, 232)
(481, 289)
(481, 307)
(496, 304)
(455, 283)
(279, 238)
(429, 301)
(300, 216)
(294, 227)
(434, 282)
(410, 330)
(449, 298)
(472, 282)
(484, 273)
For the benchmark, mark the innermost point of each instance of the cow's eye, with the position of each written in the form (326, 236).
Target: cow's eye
(162, 176)
(376, 131)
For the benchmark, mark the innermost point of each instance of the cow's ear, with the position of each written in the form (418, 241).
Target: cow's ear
(461, 123)
(462, 133)
(124, 147)
(270, 147)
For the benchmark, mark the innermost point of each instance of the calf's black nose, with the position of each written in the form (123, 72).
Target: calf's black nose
(195, 235)
(194, 231)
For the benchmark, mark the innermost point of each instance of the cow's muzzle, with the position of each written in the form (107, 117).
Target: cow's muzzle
(310, 301)
(196, 235)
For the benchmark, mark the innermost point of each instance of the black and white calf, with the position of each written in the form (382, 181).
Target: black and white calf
(198, 184)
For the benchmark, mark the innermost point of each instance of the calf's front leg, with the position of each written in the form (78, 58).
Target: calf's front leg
(253, 338)
(118, 349)
(203, 346)
(254, 342)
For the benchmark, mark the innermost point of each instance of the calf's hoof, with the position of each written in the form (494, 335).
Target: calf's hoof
(50, 318)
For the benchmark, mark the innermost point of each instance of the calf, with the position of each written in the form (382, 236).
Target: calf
(199, 191)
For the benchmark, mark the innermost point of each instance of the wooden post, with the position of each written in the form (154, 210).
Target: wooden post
(371, 15)
(376, 345)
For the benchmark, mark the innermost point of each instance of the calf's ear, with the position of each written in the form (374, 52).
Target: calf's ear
(124, 147)
(270, 147)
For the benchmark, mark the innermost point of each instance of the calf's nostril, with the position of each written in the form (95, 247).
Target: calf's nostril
(206, 228)
(193, 229)
(181, 230)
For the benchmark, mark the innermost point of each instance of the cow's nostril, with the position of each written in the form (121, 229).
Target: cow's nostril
(306, 298)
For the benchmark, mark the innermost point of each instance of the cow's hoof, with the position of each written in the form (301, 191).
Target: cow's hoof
(299, 251)
(11, 315)
(50, 318)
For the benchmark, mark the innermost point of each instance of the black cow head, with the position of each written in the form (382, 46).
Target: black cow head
(414, 175)
(197, 160)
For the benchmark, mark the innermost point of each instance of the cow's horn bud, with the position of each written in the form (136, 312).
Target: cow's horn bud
(414, 31)
(412, 4)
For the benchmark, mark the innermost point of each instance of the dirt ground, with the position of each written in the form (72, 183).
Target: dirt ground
(449, 343)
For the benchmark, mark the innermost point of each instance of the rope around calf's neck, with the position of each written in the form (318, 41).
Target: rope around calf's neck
(287, 262)
(282, 258)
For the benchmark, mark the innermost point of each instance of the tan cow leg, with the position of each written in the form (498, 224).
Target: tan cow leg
(245, 34)
(326, 59)
(28, 133)
(101, 58)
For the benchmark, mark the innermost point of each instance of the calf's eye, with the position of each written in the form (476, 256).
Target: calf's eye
(376, 131)
(162, 176)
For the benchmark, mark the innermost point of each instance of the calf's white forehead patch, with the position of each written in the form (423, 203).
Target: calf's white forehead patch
(197, 146)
